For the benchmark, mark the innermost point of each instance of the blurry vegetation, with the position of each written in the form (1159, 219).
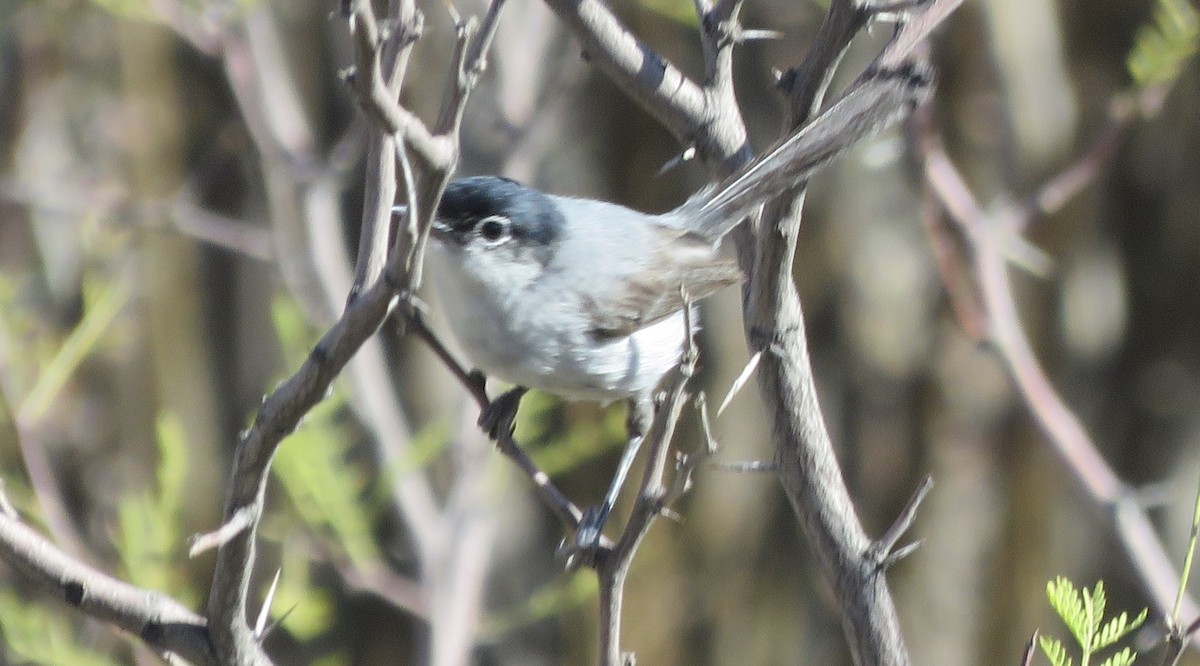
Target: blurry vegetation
(1084, 614)
(90, 267)
(1165, 46)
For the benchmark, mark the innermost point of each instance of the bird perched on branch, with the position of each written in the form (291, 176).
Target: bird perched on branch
(585, 299)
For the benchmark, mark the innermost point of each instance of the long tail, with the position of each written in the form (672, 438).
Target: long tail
(879, 101)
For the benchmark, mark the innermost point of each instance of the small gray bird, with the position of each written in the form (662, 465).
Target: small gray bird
(584, 298)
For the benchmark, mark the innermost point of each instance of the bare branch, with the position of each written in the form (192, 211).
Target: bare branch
(163, 623)
(1063, 430)
(655, 83)
(773, 319)
(232, 637)
(612, 565)
(884, 549)
(808, 467)
(475, 385)
(237, 523)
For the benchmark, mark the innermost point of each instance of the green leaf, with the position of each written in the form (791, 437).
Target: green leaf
(172, 462)
(586, 439)
(550, 601)
(1054, 651)
(1094, 604)
(37, 634)
(1117, 628)
(127, 9)
(1163, 47)
(1123, 658)
(1083, 613)
(148, 540)
(312, 464)
(1068, 603)
(305, 610)
(101, 304)
(324, 487)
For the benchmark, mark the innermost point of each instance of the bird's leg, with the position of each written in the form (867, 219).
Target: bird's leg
(591, 526)
(497, 417)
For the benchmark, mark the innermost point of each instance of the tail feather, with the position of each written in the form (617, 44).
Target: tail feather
(879, 101)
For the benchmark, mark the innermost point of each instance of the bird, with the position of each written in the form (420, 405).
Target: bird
(584, 298)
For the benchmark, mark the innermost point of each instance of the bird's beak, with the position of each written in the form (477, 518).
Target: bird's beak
(441, 232)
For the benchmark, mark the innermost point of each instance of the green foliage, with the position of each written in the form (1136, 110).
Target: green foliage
(1163, 47)
(327, 491)
(149, 541)
(423, 448)
(127, 9)
(585, 440)
(323, 487)
(305, 610)
(144, 10)
(312, 465)
(1083, 613)
(550, 601)
(682, 12)
(35, 633)
(54, 366)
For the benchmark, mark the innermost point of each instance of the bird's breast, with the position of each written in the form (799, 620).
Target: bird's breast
(541, 339)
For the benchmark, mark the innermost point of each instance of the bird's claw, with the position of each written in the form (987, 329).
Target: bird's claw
(584, 549)
(497, 417)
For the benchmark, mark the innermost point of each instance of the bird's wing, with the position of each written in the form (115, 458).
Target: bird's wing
(682, 265)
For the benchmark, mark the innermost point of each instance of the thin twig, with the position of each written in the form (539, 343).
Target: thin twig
(282, 410)
(1064, 432)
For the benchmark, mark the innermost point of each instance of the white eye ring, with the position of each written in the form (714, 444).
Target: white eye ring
(494, 228)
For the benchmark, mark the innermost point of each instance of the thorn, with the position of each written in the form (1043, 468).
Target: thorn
(260, 627)
(740, 382)
(1030, 649)
(455, 17)
(756, 466)
(238, 523)
(710, 440)
(899, 554)
(670, 515)
(681, 483)
(687, 155)
(884, 551)
(1022, 253)
(743, 36)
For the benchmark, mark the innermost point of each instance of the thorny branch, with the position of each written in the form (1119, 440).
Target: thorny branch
(233, 639)
(706, 118)
(990, 313)
(163, 623)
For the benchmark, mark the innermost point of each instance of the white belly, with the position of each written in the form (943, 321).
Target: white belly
(544, 343)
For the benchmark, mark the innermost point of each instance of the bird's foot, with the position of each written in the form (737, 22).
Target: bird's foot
(498, 416)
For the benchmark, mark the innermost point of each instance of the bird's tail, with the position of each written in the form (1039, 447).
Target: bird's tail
(880, 100)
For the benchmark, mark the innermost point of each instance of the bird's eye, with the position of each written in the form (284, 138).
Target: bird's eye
(493, 228)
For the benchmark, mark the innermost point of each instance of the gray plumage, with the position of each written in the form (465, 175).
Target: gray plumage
(584, 298)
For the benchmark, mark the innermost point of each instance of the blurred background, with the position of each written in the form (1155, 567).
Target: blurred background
(180, 190)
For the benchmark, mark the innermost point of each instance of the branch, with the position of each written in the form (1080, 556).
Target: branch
(773, 321)
(680, 104)
(612, 565)
(985, 247)
(161, 622)
(474, 383)
(234, 640)
(379, 77)
(808, 466)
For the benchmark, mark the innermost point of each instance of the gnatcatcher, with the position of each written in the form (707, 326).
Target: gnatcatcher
(584, 299)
